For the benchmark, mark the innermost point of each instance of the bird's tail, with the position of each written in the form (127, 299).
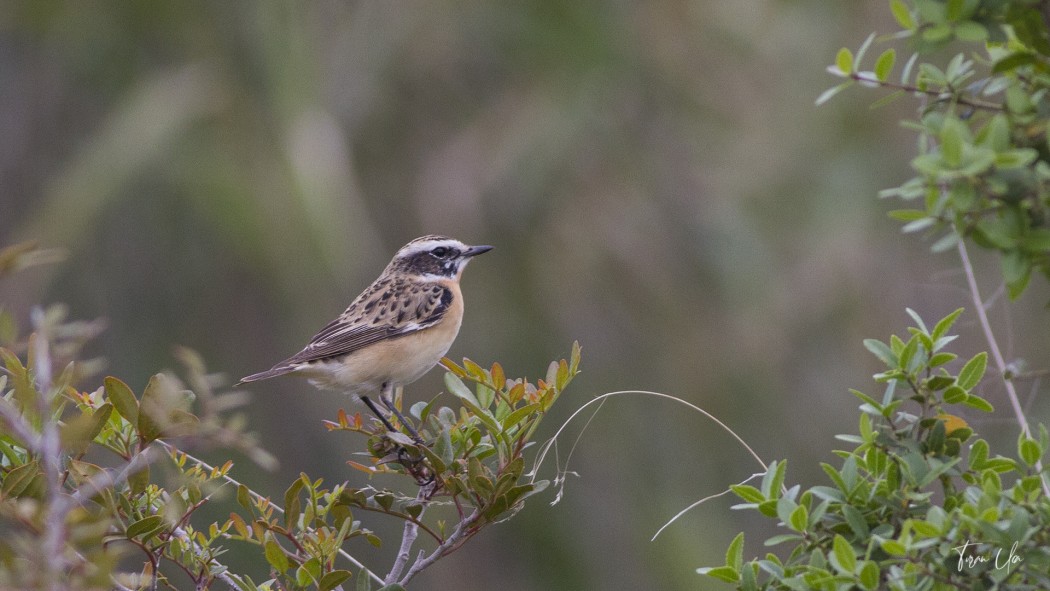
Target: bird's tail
(273, 372)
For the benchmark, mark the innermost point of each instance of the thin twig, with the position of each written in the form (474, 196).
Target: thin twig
(220, 571)
(939, 94)
(268, 502)
(997, 355)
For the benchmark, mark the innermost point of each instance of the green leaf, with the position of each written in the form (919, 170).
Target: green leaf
(908, 67)
(457, 388)
(869, 576)
(971, 373)
(855, 520)
(925, 528)
(385, 499)
(799, 518)
(908, 215)
(945, 324)
(907, 355)
(828, 94)
(953, 136)
(735, 553)
(145, 528)
(332, 579)
(939, 359)
(785, 507)
(902, 14)
(863, 50)
(1016, 158)
(123, 400)
(843, 558)
(978, 454)
(937, 33)
(844, 61)
(893, 547)
(244, 498)
(1014, 61)
(953, 10)
(748, 493)
(882, 351)
(867, 400)
(1017, 270)
(138, 481)
(18, 479)
(276, 556)
(1036, 241)
(78, 433)
(781, 538)
(835, 477)
(364, 582)
(955, 395)
(774, 479)
(155, 409)
(1028, 450)
(970, 31)
(292, 505)
(722, 573)
(979, 403)
(515, 417)
(884, 65)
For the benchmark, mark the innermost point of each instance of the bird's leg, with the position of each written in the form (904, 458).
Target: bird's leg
(387, 396)
(418, 470)
(372, 406)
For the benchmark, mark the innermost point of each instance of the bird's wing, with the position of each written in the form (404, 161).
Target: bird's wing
(384, 311)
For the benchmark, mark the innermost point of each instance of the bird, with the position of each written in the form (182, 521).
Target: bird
(394, 332)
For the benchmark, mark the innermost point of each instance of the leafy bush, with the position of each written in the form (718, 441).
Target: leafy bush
(84, 495)
(983, 167)
(907, 508)
(921, 502)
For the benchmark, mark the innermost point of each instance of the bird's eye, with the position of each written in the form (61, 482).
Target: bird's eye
(440, 252)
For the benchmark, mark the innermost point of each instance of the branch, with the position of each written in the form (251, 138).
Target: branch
(408, 537)
(997, 355)
(451, 543)
(112, 478)
(939, 94)
(54, 542)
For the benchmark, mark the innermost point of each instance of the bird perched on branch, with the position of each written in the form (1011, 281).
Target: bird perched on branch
(394, 332)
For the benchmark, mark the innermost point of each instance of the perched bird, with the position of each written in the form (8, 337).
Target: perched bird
(394, 332)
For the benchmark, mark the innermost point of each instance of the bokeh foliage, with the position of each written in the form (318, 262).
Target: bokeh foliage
(659, 186)
(907, 508)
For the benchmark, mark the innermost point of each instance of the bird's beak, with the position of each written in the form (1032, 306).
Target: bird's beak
(476, 250)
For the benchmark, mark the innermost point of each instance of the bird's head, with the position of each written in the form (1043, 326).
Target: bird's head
(435, 257)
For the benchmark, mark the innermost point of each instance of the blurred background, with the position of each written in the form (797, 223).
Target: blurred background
(655, 176)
